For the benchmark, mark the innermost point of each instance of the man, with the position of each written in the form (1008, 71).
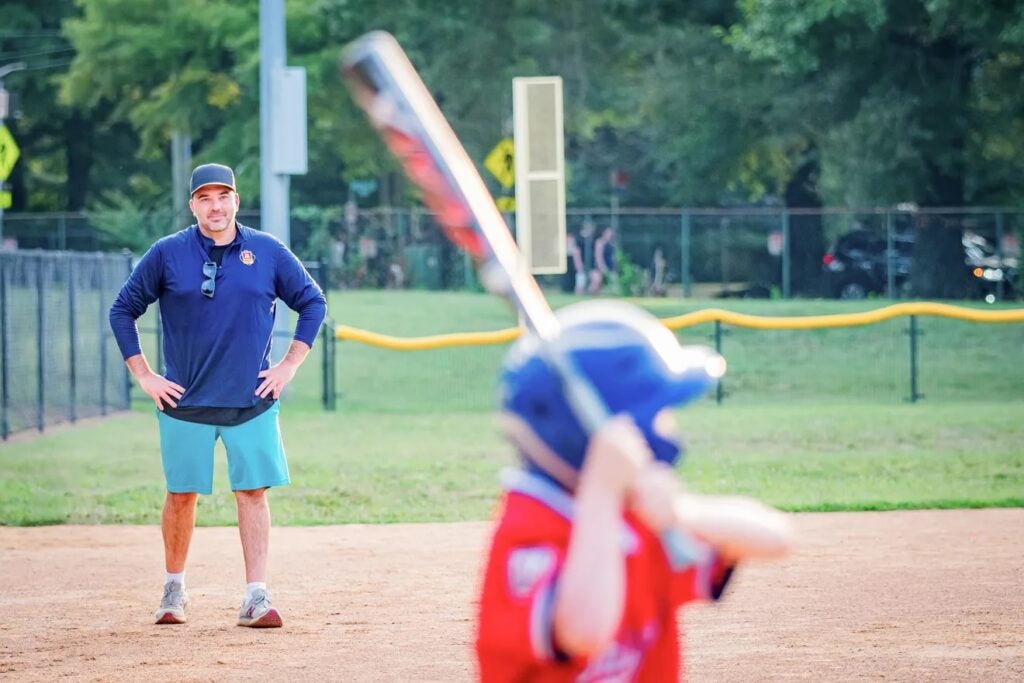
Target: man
(604, 261)
(218, 283)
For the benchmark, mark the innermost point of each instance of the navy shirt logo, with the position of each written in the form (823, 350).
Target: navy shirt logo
(248, 258)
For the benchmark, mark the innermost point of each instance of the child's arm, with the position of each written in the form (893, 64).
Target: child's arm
(738, 528)
(590, 597)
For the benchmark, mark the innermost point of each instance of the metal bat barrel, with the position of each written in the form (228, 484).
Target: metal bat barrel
(387, 87)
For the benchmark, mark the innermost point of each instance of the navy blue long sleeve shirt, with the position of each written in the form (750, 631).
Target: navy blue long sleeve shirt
(216, 347)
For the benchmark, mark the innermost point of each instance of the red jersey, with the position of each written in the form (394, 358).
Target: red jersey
(514, 631)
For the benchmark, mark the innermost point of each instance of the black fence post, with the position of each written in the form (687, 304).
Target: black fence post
(786, 257)
(101, 337)
(1000, 284)
(41, 345)
(325, 367)
(159, 330)
(124, 368)
(719, 390)
(890, 257)
(685, 276)
(72, 330)
(913, 333)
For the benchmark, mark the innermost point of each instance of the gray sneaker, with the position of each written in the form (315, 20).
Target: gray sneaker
(257, 612)
(172, 606)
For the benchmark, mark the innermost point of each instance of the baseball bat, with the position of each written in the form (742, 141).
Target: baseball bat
(388, 89)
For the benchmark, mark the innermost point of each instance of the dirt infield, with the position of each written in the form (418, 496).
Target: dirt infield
(900, 596)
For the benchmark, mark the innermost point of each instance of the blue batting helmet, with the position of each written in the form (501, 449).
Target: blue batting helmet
(635, 364)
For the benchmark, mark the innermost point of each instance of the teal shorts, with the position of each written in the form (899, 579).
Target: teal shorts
(255, 450)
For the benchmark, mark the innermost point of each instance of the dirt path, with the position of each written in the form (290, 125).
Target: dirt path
(900, 596)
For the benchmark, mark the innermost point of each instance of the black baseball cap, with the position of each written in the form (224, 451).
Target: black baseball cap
(211, 174)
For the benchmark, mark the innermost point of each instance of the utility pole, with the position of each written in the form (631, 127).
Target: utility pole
(4, 106)
(282, 136)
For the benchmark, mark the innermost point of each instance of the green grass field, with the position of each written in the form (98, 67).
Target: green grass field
(811, 421)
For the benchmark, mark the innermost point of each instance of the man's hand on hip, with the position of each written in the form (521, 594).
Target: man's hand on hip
(276, 378)
(161, 390)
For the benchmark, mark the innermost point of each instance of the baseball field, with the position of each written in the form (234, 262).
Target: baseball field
(910, 517)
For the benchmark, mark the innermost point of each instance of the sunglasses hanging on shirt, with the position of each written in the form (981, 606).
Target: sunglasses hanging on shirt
(210, 283)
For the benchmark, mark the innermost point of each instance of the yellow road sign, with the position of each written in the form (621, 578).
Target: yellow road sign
(5, 199)
(9, 152)
(506, 204)
(501, 162)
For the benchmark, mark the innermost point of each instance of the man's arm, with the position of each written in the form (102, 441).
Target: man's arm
(276, 377)
(160, 389)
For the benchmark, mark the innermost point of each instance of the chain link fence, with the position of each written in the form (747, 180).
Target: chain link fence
(58, 360)
(704, 253)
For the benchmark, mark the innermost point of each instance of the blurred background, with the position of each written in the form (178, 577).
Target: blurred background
(845, 149)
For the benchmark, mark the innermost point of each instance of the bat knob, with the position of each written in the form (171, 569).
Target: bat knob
(495, 279)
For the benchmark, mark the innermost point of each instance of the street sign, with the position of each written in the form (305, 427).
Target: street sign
(501, 163)
(9, 153)
(506, 204)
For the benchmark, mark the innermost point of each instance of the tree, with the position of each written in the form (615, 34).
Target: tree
(905, 89)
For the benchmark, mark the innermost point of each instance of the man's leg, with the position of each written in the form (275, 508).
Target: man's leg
(177, 524)
(256, 462)
(186, 451)
(254, 530)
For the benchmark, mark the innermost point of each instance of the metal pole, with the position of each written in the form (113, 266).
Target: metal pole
(159, 329)
(274, 208)
(101, 337)
(5, 361)
(325, 367)
(890, 257)
(334, 368)
(786, 265)
(41, 346)
(73, 331)
(684, 254)
(1000, 285)
(719, 391)
(274, 212)
(127, 376)
(914, 395)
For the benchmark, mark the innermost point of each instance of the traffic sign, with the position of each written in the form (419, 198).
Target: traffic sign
(9, 153)
(506, 204)
(5, 199)
(501, 162)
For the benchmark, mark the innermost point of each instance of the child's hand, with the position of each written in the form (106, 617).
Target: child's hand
(656, 495)
(617, 453)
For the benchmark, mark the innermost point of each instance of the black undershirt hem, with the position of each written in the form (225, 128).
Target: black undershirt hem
(220, 417)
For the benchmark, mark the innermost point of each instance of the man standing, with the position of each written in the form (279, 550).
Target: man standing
(218, 283)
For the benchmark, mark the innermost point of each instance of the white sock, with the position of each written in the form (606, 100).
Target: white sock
(251, 588)
(179, 577)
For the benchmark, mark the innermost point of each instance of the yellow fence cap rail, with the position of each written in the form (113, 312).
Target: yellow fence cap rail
(708, 315)
(703, 316)
(437, 341)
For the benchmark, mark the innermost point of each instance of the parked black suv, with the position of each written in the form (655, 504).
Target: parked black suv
(856, 266)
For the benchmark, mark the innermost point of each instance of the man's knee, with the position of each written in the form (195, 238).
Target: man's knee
(180, 503)
(251, 497)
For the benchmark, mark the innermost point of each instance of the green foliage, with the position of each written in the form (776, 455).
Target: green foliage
(630, 278)
(125, 226)
(718, 102)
